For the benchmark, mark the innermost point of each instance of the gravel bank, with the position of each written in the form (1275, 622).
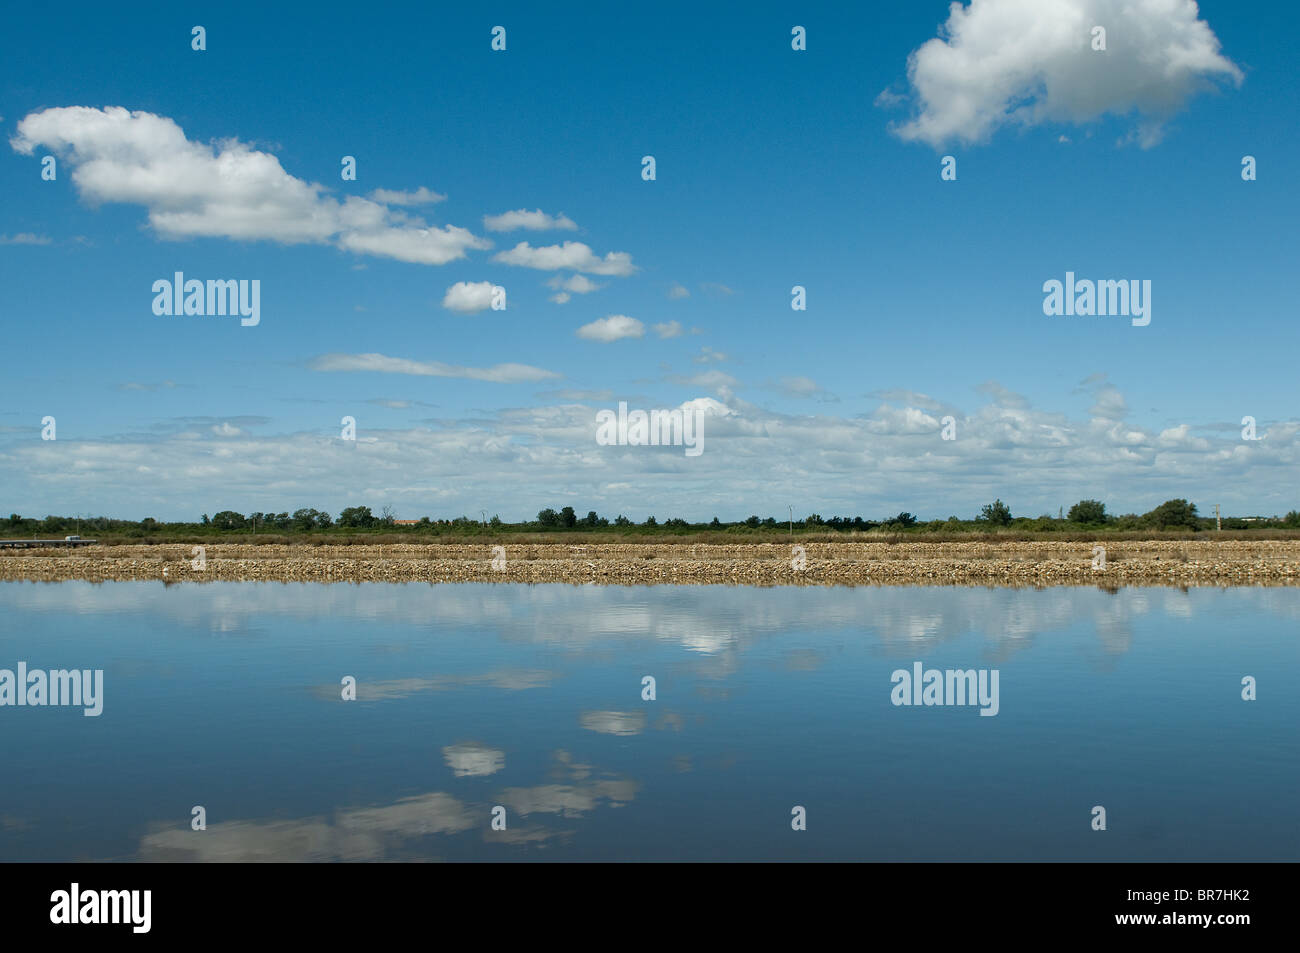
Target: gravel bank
(1264, 562)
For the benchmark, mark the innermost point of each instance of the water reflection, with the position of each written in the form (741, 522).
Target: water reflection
(471, 697)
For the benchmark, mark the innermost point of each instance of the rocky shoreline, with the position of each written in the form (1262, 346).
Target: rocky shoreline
(1175, 563)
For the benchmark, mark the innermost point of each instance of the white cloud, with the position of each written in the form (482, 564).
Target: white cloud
(573, 256)
(224, 190)
(468, 297)
(534, 221)
(720, 382)
(612, 328)
(226, 430)
(24, 238)
(667, 329)
(1026, 62)
(566, 288)
(420, 196)
(382, 364)
(517, 460)
(799, 387)
(678, 291)
(578, 284)
(708, 355)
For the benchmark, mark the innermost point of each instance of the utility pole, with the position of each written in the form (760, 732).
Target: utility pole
(792, 521)
(1218, 523)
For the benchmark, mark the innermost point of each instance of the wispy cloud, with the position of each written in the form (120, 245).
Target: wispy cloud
(382, 364)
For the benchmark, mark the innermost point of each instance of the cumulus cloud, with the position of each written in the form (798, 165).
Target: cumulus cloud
(534, 221)
(223, 190)
(565, 288)
(571, 256)
(1027, 62)
(667, 329)
(468, 297)
(515, 460)
(382, 364)
(24, 238)
(678, 291)
(612, 328)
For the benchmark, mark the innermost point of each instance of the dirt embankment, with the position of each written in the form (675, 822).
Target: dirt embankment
(1261, 562)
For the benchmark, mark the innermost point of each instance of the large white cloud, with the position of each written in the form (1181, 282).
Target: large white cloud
(1025, 62)
(226, 190)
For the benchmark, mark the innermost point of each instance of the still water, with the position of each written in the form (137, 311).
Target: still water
(526, 703)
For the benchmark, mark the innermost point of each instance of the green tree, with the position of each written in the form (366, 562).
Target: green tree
(548, 517)
(568, 518)
(997, 513)
(1088, 511)
(229, 519)
(1291, 519)
(1172, 514)
(357, 517)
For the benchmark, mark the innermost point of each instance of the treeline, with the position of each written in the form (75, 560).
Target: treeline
(1086, 515)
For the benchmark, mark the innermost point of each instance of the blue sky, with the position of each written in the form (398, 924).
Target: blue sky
(774, 168)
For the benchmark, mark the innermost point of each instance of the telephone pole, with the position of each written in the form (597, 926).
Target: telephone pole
(1218, 523)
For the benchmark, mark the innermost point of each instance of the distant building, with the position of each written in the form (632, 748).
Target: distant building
(406, 522)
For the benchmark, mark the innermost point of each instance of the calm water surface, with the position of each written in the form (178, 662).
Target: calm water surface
(473, 696)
